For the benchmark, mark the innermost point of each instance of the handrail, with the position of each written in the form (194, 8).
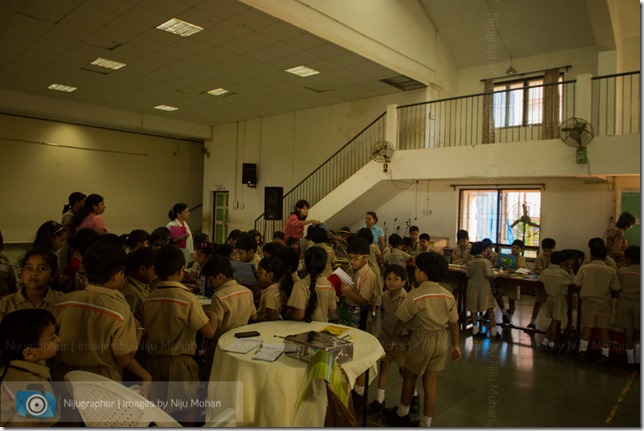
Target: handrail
(335, 154)
(468, 96)
(615, 75)
(356, 136)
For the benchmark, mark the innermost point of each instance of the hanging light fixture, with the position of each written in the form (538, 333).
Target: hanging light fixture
(510, 70)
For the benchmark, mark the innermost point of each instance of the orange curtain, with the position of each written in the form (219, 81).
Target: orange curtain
(550, 126)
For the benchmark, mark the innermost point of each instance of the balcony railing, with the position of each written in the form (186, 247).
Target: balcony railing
(461, 121)
(616, 104)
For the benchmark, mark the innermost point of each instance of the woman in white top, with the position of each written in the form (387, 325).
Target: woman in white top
(179, 230)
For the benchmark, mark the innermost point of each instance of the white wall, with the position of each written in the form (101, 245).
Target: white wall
(286, 149)
(140, 176)
(572, 211)
(583, 60)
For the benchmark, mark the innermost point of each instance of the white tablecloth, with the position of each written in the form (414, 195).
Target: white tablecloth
(269, 390)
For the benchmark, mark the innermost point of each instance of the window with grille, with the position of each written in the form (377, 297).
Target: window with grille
(502, 215)
(520, 103)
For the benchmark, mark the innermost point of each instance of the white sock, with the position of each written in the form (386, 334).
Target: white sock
(630, 357)
(403, 410)
(605, 351)
(551, 344)
(415, 392)
(493, 330)
(545, 341)
(359, 390)
(381, 396)
(475, 329)
(425, 421)
(583, 345)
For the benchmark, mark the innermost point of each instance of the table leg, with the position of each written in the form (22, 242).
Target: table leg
(364, 399)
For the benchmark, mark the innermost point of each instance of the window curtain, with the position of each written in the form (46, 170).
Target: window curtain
(550, 126)
(488, 112)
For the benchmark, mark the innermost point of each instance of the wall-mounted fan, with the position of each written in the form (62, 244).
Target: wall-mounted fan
(382, 153)
(577, 133)
(522, 220)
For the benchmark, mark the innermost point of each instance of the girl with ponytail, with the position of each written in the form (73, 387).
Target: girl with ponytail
(313, 298)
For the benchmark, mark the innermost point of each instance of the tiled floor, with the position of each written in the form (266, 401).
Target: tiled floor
(510, 383)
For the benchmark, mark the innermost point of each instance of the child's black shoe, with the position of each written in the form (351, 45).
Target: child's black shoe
(375, 407)
(391, 416)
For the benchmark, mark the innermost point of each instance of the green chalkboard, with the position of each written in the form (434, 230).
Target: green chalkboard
(631, 203)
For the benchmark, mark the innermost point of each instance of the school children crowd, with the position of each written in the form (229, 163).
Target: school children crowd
(127, 307)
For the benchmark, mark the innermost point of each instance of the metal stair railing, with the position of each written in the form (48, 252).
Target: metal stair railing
(334, 171)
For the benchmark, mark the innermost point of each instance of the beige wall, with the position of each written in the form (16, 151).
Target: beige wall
(140, 176)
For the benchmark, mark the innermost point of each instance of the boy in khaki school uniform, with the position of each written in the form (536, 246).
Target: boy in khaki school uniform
(172, 315)
(425, 312)
(627, 310)
(139, 270)
(358, 300)
(99, 334)
(512, 292)
(596, 280)
(232, 303)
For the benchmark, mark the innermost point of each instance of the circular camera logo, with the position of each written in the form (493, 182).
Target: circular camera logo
(36, 405)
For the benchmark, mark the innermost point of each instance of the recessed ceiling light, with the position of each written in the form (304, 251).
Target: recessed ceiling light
(61, 87)
(182, 28)
(302, 71)
(166, 108)
(108, 64)
(218, 91)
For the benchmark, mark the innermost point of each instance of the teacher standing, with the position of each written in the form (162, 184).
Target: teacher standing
(294, 226)
(179, 230)
(615, 237)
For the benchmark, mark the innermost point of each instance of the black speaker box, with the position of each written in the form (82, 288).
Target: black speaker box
(249, 174)
(273, 197)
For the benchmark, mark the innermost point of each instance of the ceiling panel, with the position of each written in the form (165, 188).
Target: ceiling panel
(240, 49)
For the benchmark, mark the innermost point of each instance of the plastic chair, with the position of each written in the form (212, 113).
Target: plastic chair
(87, 386)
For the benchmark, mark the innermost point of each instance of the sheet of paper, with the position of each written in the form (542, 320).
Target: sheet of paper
(335, 330)
(343, 276)
(269, 352)
(242, 345)
(522, 271)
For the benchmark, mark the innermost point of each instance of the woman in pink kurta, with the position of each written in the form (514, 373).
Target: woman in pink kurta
(294, 226)
(89, 216)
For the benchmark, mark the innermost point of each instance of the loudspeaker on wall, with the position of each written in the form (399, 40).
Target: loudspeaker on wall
(249, 174)
(273, 197)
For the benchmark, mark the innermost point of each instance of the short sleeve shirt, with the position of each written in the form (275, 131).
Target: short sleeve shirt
(629, 278)
(555, 280)
(135, 292)
(233, 305)
(92, 221)
(270, 299)
(18, 301)
(365, 284)
(597, 279)
(96, 325)
(428, 307)
(390, 304)
(325, 293)
(172, 315)
(293, 227)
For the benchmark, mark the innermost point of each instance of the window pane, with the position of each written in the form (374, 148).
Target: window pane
(499, 109)
(521, 216)
(479, 214)
(515, 112)
(535, 105)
